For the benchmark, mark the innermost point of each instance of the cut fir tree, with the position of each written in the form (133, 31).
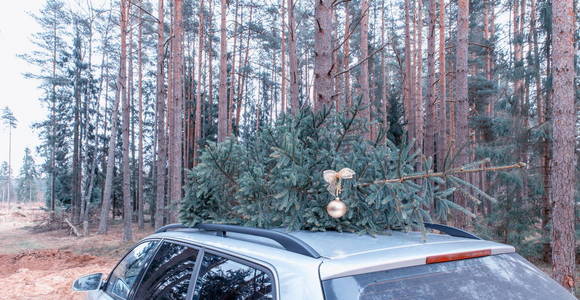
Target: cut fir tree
(275, 179)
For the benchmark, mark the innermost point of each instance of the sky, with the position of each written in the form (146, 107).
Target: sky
(18, 93)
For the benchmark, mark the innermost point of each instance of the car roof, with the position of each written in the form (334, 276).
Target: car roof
(341, 253)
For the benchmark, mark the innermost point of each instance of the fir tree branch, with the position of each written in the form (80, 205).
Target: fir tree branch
(444, 174)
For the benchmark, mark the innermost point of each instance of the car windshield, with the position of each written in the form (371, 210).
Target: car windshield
(506, 276)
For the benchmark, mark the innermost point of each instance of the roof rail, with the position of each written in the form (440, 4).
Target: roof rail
(287, 241)
(452, 231)
(169, 227)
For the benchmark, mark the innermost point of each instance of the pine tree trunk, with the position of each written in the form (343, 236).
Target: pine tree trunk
(419, 113)
(430, 118)
(160, 118)
(407, 78)
(75, 184)
(127, 201)
(233, 73)
(140, 201)
(222, 95)
(106, 203)
(323, 79)
(283, 56)
(364, 71)
(198, 98)
(563, 176)
(293, 60)
(385, 75)
(177, 117)
(346, 56)
(462, 107)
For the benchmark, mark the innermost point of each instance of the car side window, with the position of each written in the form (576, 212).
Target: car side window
(224, 279)
(127, 272)
(169, 274)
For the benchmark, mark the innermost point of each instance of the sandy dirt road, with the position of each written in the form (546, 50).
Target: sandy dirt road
(43, 265)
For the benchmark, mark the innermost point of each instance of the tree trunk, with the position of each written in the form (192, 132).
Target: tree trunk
(462, 107)
(233, 72)
(140, 201)
(346, 56)
(407, 78)
(323, 79)
(430, 119)
(106, 203)
(160, 116)
(127, 201)
(198, 98)
(283, 55)
(76, 196)
(222, 95)
(177, 87)
(293, 60)
(364, 72)
(441, 104)
(419, 114)
(563, 176)
(385, 75)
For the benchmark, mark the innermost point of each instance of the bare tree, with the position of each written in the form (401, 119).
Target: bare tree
(222, 95)
(176, 169)
(292, 57)
(198, 98)
(127, 201)
(462, 106)
(430, 127)
(140, 201)
(563, 177)
(160, 116)
(441, 104)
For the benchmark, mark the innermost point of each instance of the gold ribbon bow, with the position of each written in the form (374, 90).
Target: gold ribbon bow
(334, 179)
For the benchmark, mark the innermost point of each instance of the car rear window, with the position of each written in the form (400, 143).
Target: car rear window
(506, 276)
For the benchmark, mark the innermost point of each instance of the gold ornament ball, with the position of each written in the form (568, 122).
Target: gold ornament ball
(336, 208)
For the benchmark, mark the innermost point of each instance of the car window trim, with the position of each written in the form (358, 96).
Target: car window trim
(130, 296)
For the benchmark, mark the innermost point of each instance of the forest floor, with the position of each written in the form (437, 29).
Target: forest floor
(43, 265)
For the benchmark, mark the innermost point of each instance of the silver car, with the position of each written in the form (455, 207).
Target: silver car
(234, 262)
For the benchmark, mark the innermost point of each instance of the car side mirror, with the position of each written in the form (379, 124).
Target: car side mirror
(88, 283)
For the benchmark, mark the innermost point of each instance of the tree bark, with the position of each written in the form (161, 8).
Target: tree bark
(293, 60)
(419, 113)
(198, 98)
(222, 95)
(364, 72)
(177, 87)
(563, 177)
(283, 55)
(407, 78)
(430, 119)
(127, 201)
(441, 104)
(233, 73)
(462, 106)
(346, 56)
(141, 202)
(323, 79)
(160, 117)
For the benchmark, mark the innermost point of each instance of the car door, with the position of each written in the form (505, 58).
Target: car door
(223, 277)
(170, 272)
(126, 275)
